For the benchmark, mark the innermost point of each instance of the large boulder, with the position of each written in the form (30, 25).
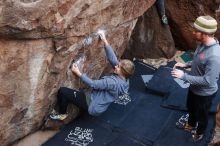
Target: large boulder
(39, 39)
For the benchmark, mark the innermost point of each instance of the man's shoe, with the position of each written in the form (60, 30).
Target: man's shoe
(186, 127)
(60, 117)
(164, 20)
(197, 137)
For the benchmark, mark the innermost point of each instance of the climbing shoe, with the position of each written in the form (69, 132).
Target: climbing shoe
(54, 112)
(164, 20)
(197, 137)
(60, 117)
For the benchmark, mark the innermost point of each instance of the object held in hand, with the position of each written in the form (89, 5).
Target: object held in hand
(71, 64)
(180, 68)
(101, 34)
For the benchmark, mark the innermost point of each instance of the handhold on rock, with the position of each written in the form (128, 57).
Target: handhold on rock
(101, 33)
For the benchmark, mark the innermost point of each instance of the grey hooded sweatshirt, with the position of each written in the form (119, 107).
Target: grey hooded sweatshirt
(205, 69)
(107, 89)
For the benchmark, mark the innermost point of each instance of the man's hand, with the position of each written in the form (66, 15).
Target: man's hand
(178, 64)
(176, 73)
(76, 70)
(101, 34)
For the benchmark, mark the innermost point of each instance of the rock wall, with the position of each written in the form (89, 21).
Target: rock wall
(183, 12)
(150, 38)
(38, 41)
(218, 116)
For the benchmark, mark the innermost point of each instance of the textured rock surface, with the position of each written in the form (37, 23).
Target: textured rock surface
(183, 12)
(23, 89)
(39, 39)
(150, 39)
(218, 117)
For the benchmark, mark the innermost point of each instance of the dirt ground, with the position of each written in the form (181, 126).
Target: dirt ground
(36, 139)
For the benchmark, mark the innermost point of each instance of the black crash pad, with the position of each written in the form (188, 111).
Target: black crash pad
(177, 100)
(171, 136)
(162, 82)
(85, 131)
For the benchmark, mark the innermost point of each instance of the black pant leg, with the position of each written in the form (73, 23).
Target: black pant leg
(204, 104)
(191, 109)
(67, 95)
(160, 7)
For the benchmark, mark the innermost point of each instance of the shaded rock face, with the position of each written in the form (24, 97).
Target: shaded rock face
(183, 12)
(38, 41)
(150, 39)
(218, 116)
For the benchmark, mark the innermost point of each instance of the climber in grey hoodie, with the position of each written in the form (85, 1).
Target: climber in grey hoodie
(203, 77)
(104, 91)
